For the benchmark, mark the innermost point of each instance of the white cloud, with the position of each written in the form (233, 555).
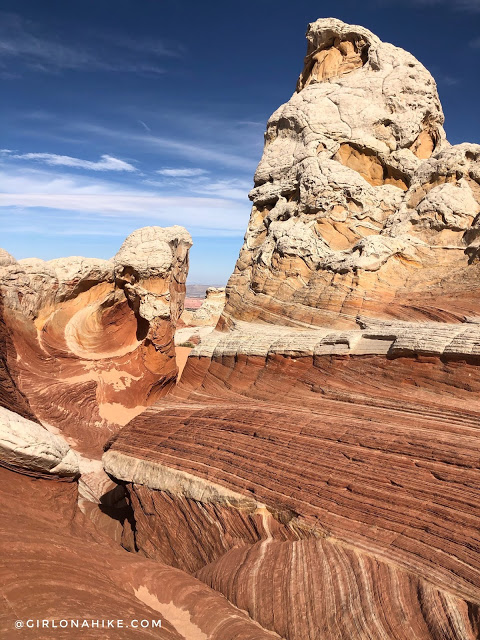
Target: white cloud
(228, 188)
(123, 203)
(106, 163)
(217, 153)
(233, 189)
(61, 200)
(181, 173)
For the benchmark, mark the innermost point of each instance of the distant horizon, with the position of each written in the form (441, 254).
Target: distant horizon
(123, 115)
(190, 282)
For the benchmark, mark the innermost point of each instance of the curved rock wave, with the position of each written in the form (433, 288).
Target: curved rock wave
(93, 339)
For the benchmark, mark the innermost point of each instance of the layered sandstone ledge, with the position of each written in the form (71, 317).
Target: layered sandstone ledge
(377, 337)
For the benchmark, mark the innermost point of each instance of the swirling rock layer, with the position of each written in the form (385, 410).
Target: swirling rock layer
(56, 567)
(350, 590)
(90, 342)
(377, 457)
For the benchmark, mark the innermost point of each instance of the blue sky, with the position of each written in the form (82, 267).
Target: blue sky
(120, 114)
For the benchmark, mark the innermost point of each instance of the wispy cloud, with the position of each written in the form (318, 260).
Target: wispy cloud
(144, 125)
(106, 163)
(219, 152)
(24, 44)
(234, 188)
(108, 206)
(475, 44)
(228, 188)
(181, 173)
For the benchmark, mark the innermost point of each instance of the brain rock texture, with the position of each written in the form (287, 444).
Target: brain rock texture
(360, 205)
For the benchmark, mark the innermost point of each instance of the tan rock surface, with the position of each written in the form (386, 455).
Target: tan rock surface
(196, 324)
(28, 445)
(209, 311)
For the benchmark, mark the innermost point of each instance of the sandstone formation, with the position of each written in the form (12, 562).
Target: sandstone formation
(85, 345)
(57, 567)
(318, 462)
(209, 311)
(197, 322)
(359, 205)
(90, 342)
(27, 445)
(10, 396)
(315, 473)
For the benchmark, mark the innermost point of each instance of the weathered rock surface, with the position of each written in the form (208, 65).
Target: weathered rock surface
(27, 445)
(209, 311)
(318, 462)
(197, 323)
(91, 341)
(56, 566)
(360, 205)
(10, 396)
